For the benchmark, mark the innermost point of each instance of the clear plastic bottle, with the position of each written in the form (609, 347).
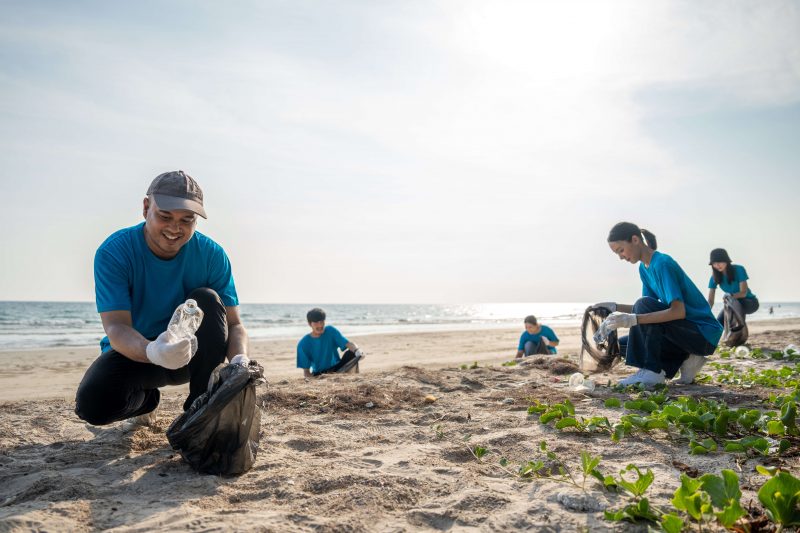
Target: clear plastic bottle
(601, 334)
(578, 383)
(185, 321)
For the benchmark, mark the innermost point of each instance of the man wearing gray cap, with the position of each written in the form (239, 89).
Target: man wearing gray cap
(142, 274)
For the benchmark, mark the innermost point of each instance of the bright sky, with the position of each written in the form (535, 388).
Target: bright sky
(405, 151)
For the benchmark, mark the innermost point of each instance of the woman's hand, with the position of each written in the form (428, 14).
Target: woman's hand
(620, 320)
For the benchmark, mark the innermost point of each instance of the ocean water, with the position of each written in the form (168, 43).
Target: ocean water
(28, 325)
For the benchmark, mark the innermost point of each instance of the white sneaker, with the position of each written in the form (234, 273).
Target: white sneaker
(633, 378)
(690, 368)
(145, 420)
(645, 377)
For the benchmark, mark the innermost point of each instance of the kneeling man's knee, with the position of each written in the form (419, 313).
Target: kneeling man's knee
(88, 408)
(206, 297)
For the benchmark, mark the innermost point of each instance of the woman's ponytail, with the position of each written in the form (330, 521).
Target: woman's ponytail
(649, 239)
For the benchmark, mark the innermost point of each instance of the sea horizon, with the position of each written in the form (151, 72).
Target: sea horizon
(48, 324)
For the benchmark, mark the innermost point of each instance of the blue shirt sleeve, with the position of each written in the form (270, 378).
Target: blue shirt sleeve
(111, 283)
(521, 342)
(221, 277)
(303, 360)
(338, 338)
(549, 333)
(741, 274)
(711, 283)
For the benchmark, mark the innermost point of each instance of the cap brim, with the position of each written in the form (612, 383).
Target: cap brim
(170, 203)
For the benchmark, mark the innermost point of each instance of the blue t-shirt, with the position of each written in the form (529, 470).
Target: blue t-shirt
(320, 353)
(666, 281)
(731, 287)
(543, 332)
(128, 276)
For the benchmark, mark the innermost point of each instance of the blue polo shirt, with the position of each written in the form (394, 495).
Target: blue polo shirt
(666, 281)
(731, 287)
(543, 332)
(128, 276)
(320, 353)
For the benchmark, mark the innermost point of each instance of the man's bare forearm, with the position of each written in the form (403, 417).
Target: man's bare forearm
(129, 342)
(238, 341)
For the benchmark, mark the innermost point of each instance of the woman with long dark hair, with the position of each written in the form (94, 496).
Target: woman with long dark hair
(732, 279)
(671, 325)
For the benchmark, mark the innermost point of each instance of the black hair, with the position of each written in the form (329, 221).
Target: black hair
(624, 231)
(315, 315)
(530, 319)
(729, 273)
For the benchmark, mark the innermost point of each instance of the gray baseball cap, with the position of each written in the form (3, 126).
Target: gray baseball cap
(177, 190)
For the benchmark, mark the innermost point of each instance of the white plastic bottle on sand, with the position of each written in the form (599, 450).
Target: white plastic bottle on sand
(578, 383)
(742, 351)
(185, 321)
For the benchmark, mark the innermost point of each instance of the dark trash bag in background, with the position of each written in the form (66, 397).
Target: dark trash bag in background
(219, 432)
(735, 331)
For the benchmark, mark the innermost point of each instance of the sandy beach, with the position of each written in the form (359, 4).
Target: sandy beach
(383, 450)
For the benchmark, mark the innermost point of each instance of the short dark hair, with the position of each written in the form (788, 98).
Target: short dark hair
(530, 319)
(624, 231)
(315, 315)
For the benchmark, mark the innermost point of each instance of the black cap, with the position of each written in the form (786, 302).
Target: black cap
(719, 255)
(177, 190)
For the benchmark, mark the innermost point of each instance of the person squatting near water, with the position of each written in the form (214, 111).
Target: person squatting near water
(142, 273)
(732, 280)
(671, 325)
(536, 339)
(318, 351)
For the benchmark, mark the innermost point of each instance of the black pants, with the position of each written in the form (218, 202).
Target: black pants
(664, 346)
(115, 388)
(347, 356)
(749, 306)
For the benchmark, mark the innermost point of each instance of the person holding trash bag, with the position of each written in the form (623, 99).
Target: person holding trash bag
(220, 432)
(318, 351)
(536, 339)
(142, 273)
(671, 325)
(732, 279)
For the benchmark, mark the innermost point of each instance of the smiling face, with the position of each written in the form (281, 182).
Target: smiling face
(628, 251)
(165, 232)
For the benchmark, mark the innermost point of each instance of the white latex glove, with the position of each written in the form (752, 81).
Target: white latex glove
(360, 354)
(620, 320)
(240, 359)
(171, 354)
(546, 341)
(611, 306)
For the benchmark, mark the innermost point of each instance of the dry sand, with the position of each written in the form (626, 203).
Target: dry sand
(329, 462)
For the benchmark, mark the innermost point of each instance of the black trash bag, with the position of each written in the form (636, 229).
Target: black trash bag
(735, 331)
(219, 432)
(603, 356)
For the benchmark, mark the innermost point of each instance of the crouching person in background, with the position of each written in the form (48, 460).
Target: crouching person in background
(536, 339)
(318, 352)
